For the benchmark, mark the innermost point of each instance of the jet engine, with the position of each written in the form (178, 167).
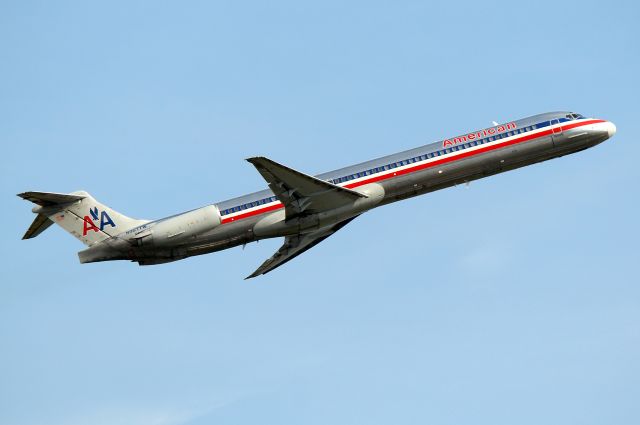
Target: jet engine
(179, 228)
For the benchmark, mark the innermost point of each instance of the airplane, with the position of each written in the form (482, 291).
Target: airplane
(306, 209)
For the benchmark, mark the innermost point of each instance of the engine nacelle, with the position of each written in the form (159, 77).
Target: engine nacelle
(180, 228)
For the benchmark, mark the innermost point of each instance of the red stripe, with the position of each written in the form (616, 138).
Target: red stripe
(273, 207)
(460, 155)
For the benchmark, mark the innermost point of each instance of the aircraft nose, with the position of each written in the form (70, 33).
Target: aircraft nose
(611, 128)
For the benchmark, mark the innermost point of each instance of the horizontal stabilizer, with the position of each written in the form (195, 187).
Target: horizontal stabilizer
(39, 225)
(45, 199)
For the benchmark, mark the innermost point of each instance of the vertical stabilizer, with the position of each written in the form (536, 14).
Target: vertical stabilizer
(79, 214)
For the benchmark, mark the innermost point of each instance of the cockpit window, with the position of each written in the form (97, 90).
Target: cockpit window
(577, 116)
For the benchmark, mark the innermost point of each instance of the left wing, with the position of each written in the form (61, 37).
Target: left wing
(301, 193)
(296, 245)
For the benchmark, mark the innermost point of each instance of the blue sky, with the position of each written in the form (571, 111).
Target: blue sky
(515, 300)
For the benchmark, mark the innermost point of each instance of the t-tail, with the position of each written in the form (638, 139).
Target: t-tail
(79, 214)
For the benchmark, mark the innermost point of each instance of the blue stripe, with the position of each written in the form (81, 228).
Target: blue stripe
(419, 158)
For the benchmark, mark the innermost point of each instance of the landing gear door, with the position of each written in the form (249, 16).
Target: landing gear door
(556, 131)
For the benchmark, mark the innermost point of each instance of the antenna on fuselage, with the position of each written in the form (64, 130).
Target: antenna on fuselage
(495, 124)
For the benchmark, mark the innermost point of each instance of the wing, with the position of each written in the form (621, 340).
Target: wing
(301, 193)
(296, 245)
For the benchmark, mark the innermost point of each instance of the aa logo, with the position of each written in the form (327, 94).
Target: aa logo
(89, 223)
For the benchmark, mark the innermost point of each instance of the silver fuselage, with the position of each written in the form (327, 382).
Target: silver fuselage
(435, 166)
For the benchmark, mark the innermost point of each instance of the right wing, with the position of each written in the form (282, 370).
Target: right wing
(296, 245)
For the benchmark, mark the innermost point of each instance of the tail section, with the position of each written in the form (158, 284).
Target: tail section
(79, 214)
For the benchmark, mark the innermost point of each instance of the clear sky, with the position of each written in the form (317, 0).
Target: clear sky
(513, 301)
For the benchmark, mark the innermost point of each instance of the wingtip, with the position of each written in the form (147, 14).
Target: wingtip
(254, 159)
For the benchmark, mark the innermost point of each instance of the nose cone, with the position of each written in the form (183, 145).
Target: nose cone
(611, 128)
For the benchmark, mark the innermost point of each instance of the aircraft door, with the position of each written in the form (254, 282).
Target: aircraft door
(556, 131)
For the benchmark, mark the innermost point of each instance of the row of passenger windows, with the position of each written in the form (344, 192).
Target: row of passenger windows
(434, 154)
(249, 205)
(419, 158)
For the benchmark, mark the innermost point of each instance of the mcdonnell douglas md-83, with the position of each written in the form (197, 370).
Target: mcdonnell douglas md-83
(307, 209)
